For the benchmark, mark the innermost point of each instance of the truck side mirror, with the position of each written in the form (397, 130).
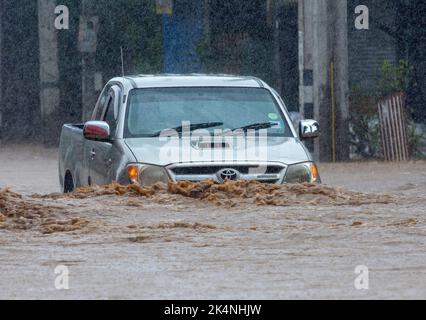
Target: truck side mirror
(97, 131)
(308, 129)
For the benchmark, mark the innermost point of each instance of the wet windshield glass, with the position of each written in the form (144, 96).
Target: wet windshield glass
(151, 111)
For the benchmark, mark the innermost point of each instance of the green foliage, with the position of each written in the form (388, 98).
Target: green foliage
(394, 78)
(135, 26)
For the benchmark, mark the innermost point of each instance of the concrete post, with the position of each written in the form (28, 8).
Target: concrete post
(341, 84)
(306, 66)
(1, 69)
(323, 69)
(49, 70)
(276, 34)
(301, 50)
(321, 90)
(87, 45)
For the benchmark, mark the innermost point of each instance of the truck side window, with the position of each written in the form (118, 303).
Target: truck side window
(100, 105)
(111, 110)
(109, 114)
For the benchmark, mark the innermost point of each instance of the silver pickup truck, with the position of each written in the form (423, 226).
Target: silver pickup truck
(150, 128)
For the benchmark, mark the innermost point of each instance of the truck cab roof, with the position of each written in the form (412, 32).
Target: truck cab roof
(192, 80)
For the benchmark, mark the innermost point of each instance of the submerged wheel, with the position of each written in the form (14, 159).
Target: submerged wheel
(68, 183)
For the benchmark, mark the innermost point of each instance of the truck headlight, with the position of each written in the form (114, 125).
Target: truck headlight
(146, 175)
(302, 172)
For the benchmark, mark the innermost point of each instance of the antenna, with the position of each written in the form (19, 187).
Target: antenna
(122, 61)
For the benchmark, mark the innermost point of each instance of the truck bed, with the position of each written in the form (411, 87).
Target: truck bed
(71, 152)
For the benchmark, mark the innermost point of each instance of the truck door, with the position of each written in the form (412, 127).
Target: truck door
(101, 154)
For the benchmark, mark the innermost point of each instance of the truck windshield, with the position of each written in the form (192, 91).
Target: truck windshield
(151, 111)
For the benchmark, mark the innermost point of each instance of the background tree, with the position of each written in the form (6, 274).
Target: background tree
(407, 28)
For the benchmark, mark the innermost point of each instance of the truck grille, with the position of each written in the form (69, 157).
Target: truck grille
(214, 169)
(265, 173)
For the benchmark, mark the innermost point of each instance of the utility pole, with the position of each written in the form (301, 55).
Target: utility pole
(49, 69)
(341, 77)
(321, 58)
(1, 69)
(276, 6)
(323, 69)
(306, 65)
(87, 45)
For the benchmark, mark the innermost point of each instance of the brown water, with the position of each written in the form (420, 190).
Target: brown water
(239, 240)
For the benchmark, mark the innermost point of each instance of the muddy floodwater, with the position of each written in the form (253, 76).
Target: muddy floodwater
(206, 241)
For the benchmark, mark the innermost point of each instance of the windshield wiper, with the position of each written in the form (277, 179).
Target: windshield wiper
(257, 126)
(191, 127)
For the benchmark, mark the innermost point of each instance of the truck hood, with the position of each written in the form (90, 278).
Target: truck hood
(274, 149)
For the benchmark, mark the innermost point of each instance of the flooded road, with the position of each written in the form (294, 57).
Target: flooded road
(208, 242)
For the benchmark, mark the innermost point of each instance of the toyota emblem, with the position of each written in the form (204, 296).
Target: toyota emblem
(228, 174)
